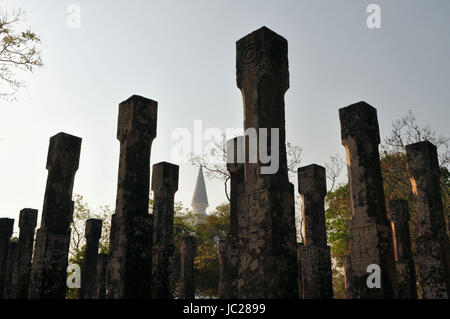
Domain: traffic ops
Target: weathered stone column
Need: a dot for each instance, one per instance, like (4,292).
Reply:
(21,277)
(50,260)
(432,246)
(186,286)
(316,254)
(228,250)
(164,186)
(10,268)
(370,232)
(130,266)
(6,230)
(348,276)
(267,235)
(92,233)
(300,270)
(406,272)
(102,264)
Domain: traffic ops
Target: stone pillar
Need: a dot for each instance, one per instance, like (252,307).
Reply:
(164,186)
(348,276)
(6,230)
(186,286)
(300,270)
(102,263)
(406,272)
(316,254)
(50,260)
(21,277)
(11,265)
(267,235)
(228,250)
(130,265)
(370,232)
(432,245)
(92,233)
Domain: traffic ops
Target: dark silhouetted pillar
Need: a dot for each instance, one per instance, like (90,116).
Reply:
(50,260)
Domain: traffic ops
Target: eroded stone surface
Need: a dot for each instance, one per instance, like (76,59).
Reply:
(92,233)
(130,265)
(6,230)
(370,232)
(21,277)
(266,218)
(11,265)
(102,264)
(432,245)
(228,249)
(164,186)
(316,254)
(186,285)
(406,273)
(50,260)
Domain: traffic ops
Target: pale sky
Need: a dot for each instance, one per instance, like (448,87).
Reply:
(182,54)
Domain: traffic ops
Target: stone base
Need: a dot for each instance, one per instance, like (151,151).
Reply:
(267,243)
(372,245)
(49,270)
(130,265)
(316,272)
(229,260)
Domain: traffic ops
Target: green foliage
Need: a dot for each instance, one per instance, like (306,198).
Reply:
(337,217)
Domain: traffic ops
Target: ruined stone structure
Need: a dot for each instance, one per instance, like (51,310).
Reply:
(92,233)
(130,265)
(267,235)
(49,269)
(6,230)
(316,254)
(370,232)
(102,264)
(432,245)
(228,249)
(164,186)
(406,272)
(300,270)
(21,276)
(186,285)
(10,268)
(348,276)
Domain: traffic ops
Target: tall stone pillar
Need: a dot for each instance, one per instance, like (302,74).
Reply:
(130,266)
(228,250)
(348,276)
(300,270)
(370,232)
(164,186)
(406,272)
(186,286)
(316,254)
(92,233)
(6,230)
(102,264)
(21,277)
(432,245)
(50,260)
(267,235)
(11,265)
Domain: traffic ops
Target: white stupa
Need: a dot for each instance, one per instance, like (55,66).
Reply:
(200,199)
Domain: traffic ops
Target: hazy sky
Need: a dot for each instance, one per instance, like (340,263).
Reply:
(182,54)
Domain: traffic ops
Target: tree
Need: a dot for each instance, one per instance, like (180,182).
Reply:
(215,162)
(18,51)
